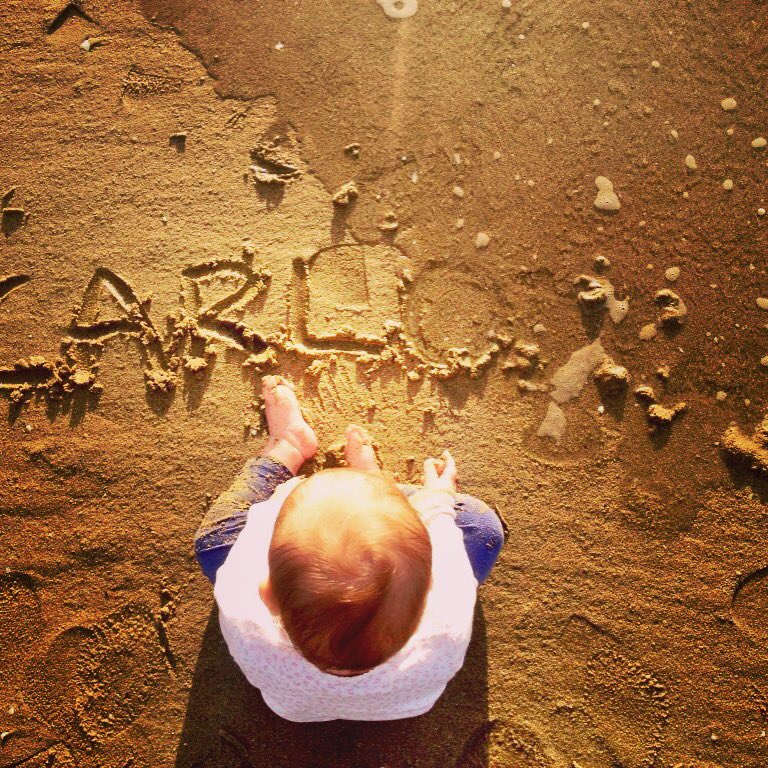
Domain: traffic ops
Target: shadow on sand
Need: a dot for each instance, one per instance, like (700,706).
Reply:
(227,724)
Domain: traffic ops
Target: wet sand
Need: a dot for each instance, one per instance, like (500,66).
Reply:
(503,230)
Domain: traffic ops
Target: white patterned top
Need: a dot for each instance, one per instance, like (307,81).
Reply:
(405,685)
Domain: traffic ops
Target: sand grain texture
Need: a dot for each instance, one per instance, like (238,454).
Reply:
(169,234)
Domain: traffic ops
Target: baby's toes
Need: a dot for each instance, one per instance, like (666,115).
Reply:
(269,388)
(357,437)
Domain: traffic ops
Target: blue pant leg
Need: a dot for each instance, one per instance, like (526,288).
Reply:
(228,515)
(483,533)
(481,528)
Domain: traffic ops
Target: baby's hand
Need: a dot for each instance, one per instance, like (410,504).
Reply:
(440,474)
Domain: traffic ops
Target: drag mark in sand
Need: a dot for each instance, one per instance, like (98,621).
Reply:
(749,604)
(11,283)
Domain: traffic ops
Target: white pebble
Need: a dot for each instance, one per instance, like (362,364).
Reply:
(655,64)
(672,274)
(86,45)
(279,46)
(690,162)
(506,3)
(728,104)
(399,9)
(761,211)
(762,302)
(606,199)
(674,134)
(728,184)
(482,240)
(585,25)
(759,142)
(458,191)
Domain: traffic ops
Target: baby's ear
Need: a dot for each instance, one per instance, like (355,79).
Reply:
(265,592)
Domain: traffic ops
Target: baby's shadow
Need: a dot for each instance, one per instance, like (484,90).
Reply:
(228,725)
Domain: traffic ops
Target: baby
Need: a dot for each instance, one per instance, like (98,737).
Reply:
(343,595)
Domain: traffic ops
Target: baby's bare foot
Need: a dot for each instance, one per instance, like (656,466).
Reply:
(359,450)
(291,440)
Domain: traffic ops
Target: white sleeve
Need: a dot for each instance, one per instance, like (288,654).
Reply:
(454,587)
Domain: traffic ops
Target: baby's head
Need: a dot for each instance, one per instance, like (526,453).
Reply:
(349,569)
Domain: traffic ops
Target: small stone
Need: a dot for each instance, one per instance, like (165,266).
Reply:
(86,45)
(762,302)
(662,415)
(345,194)
(601,262)
(674,134)
(673,309)
(647,332)
(672,274)
(721,396)
(606,199)
(759,142)
(353,150)
(761,211)
(610,377)
(655,64)
(458,191)
(459,224)
(389,223)
(585,25)
(482,240)
(764,361)
(506,4)
(663,372)
(728,184)
(81,377)
(728,104)
(690,162)
(644,392)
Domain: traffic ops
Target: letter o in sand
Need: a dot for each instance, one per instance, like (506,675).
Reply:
(399,9)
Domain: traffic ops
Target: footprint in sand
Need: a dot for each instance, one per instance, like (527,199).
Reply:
(611,711)
(510,745)
(628,707)
(749,604)
(517,746)
(95,681)
(21,622)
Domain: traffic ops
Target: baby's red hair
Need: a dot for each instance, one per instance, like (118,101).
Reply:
(350,566)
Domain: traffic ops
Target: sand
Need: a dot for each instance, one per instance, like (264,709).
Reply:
(169,234)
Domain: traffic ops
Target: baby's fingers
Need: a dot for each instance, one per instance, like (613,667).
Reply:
(449,463)
(430,471)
